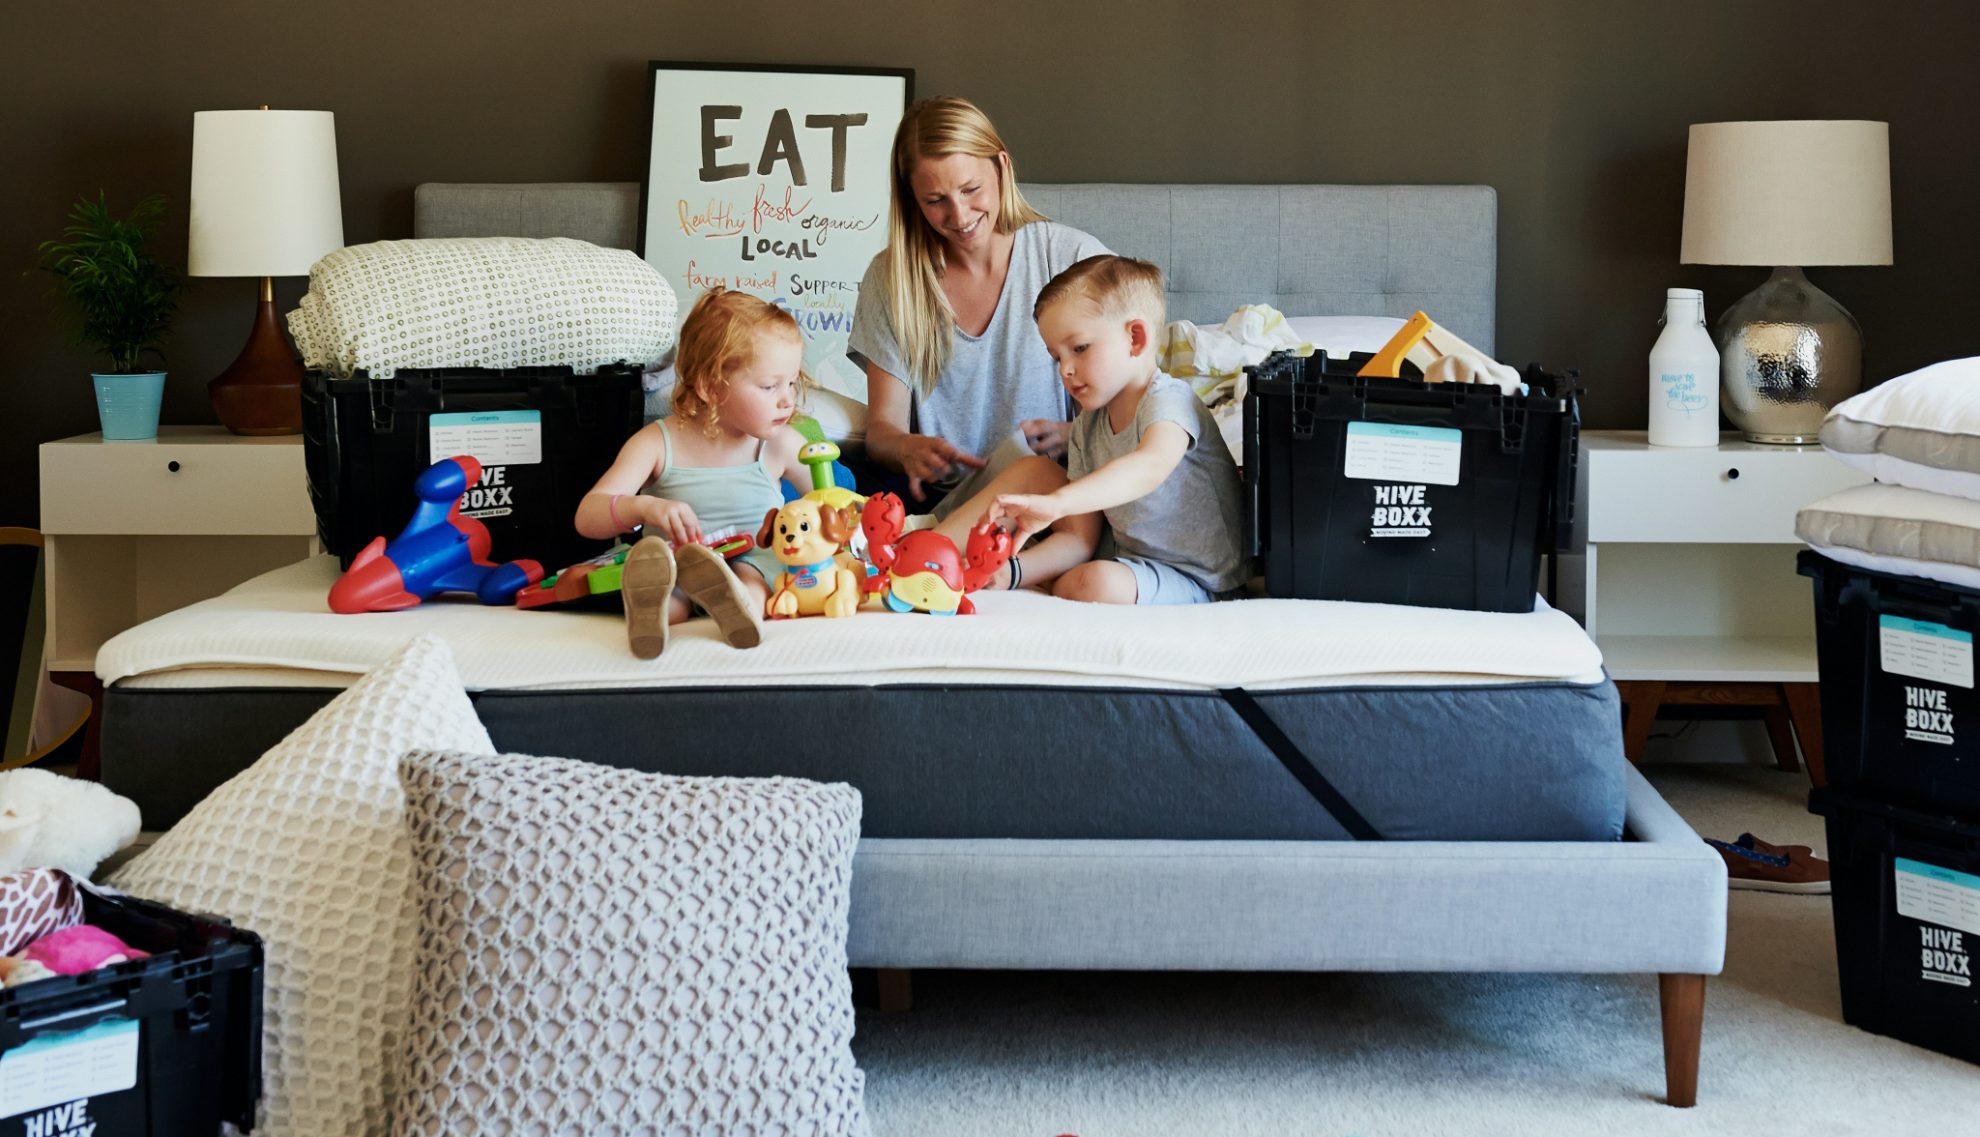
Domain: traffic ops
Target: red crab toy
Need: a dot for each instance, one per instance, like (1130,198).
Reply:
(922,571)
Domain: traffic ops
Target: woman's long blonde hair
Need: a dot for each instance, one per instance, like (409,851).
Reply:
(924,324)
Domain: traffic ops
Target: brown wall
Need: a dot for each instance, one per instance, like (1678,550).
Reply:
(1574,109)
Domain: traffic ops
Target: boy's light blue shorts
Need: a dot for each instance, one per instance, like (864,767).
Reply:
(1157,583)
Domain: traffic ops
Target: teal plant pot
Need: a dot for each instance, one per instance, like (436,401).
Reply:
(128,404)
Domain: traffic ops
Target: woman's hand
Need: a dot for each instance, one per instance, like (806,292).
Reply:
(1029,513)
(927,459)
(671,520)
(1047,437)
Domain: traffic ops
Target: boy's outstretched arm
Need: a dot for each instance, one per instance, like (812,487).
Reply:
(1120,481)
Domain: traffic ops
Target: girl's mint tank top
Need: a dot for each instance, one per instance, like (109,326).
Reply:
(723,497)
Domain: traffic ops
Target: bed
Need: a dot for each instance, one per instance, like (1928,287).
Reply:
(1051,785)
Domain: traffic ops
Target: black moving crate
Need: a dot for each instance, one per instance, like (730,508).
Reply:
(1900,719)
(1398,491)
(1905,886)
(542,434)
(180,1032)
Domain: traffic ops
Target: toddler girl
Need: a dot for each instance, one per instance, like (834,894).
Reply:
(712,465)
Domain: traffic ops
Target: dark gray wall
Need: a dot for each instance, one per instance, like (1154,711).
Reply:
(1576,111)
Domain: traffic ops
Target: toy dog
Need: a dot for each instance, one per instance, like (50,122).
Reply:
(807,537)
(922,571)
(437,551)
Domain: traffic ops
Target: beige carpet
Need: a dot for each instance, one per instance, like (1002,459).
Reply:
(1130,1055)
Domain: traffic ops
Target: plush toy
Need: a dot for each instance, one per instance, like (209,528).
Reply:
(74,950)
(15,971)
(49,821)
(807,537)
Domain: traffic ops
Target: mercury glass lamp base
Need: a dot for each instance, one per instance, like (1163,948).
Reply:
(1787,354)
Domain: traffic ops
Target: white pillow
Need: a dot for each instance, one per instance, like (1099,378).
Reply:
(1920,430)
(1897,529)
(607,951)
(482,302)
(1341,335)
(307,848)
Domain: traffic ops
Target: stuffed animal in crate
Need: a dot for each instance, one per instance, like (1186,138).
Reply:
(809,538)
(49,821)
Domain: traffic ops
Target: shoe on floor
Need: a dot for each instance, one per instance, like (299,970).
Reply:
(709,582)
(646,584)
(1753,863)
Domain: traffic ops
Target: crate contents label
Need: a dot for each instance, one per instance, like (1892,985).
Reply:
(492,438)
(1387,452)
(1925,650)
(58,1070)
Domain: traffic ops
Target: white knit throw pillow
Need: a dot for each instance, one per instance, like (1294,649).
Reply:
(482,302)
(607,951)
(307,847)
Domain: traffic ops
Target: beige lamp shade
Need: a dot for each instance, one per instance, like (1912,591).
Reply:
(264,193)
(1788,193)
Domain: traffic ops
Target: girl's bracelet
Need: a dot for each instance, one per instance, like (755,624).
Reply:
(1017,574)
(612,507)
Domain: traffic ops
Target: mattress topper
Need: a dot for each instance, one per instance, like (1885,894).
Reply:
(277,629)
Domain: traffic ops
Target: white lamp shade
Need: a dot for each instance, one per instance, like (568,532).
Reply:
(1788,194)
(264,193)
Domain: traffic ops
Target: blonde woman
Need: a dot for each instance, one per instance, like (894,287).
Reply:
(959,385)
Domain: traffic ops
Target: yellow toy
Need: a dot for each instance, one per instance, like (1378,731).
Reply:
(1441,355)
(818,457)
(807,536)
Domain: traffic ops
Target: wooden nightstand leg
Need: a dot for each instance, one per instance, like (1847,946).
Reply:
(1640,699)
(89,763)
(1804,702)
(1780,732)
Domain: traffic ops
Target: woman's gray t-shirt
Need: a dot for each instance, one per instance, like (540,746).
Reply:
(993,381)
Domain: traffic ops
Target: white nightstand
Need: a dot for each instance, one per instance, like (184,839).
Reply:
(137,529)
(1689,577)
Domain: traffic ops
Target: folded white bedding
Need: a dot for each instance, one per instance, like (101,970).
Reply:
(276,630)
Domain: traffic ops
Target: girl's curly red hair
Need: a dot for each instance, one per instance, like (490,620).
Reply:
(719,336)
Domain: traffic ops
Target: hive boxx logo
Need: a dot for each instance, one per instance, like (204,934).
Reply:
(1942,956)
(1400,512)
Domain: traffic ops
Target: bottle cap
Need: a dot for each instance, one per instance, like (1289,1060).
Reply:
(1684,294)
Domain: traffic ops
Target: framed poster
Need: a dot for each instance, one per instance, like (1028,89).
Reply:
(773,180)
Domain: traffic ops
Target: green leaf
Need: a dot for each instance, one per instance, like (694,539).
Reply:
(122,297)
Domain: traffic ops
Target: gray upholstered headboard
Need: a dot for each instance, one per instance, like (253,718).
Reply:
(1307,250)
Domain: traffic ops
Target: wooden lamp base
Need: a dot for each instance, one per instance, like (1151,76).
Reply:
(261,391)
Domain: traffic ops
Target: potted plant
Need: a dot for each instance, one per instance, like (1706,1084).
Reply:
(123,298)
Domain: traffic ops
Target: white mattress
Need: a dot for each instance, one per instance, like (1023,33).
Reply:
(276,630)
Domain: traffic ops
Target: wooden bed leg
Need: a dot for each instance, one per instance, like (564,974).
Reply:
(1640,700)
(1804,702)
(896,989)
(1683,1000)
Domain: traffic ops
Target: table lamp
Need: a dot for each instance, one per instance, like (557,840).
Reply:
(1787,195)
(264,203)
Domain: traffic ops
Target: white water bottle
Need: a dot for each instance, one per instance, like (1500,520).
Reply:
(1684,375)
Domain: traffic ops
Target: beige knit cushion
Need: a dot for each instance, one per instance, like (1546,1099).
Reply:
(605,951)
(482,302)
(307,847)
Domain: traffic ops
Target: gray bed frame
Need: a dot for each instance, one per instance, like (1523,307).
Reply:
(1653,903)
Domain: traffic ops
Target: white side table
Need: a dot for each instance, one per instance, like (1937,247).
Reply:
(1690,588)
(137,529)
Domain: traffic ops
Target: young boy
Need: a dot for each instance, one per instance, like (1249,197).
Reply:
(1144,450)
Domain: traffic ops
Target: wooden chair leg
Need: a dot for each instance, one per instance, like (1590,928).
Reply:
(1804,702)
(1640,700)
(1683,1000)
(896,989)
(1780,733)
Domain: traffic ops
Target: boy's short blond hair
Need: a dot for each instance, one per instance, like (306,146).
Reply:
(1116,287)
